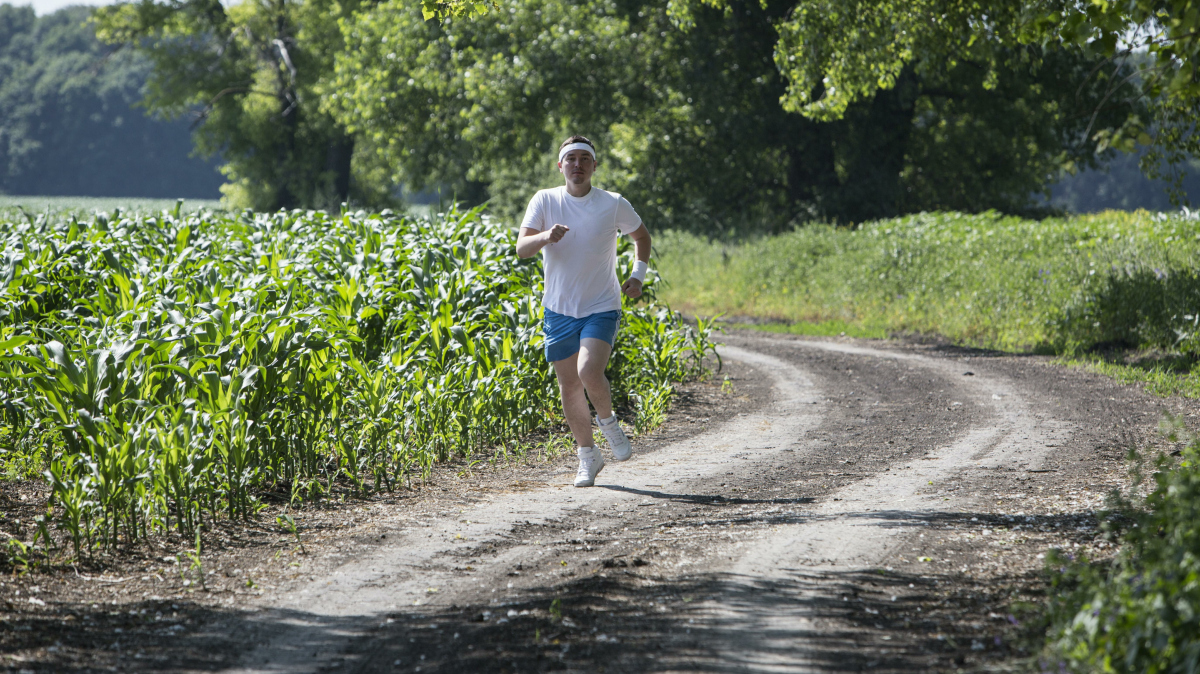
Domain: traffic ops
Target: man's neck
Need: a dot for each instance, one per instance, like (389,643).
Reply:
(580,190)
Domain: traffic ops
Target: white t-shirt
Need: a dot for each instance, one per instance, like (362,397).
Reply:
(581,269)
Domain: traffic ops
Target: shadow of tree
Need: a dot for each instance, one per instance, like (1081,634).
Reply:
(638,618)
(705,499)
(627,622)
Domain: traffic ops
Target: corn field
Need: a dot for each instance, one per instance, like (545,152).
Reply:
(166,370)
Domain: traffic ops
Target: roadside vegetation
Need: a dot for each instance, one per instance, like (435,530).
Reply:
(1138,611)
(162,371)
(1117,291)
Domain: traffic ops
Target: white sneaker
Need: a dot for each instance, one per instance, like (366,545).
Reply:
(590,464)
(617,440)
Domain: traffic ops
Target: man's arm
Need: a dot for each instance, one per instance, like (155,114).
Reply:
(530,241)
(641,246)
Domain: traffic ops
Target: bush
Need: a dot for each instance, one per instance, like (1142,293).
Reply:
(1141,612)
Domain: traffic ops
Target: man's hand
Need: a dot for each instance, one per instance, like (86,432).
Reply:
(530,241)
(556,233)
(632,288)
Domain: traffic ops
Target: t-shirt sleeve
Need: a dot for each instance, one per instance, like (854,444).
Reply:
(628,220)
(535,213)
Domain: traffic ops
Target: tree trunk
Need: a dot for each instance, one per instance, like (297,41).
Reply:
(337,162)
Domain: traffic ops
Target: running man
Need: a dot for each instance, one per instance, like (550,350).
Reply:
(576,228)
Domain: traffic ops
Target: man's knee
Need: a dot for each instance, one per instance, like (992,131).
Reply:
(592,373)
(569,382)
(568,391)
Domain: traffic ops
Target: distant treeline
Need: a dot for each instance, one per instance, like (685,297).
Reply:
(68,125)
(1120,185)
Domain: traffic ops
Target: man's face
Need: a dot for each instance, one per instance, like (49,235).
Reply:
(577,166)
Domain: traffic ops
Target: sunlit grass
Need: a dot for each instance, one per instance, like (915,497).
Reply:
(1172,375)
(1062,286)
(832,328)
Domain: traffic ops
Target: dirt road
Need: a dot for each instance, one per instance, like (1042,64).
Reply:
(847,506)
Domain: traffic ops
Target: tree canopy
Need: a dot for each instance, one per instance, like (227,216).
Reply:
(253,73)
(714,116)
(67,121)
(690,121)
(838,52)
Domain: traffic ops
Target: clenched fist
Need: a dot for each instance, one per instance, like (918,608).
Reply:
(632,288)
(556,233)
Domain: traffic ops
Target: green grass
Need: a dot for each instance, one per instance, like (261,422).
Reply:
(1162,375)
(831,328)
(1063,286)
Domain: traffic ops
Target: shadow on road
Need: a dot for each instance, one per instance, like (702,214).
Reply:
(628,622)
(705,499)
(617,617)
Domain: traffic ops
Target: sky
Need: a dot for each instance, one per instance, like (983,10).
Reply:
(48,6)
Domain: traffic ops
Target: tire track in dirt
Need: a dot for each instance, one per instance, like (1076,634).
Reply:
(344,621)
(306,630)
(858,526)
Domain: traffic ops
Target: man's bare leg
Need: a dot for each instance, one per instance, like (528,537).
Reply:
(574,400)
(580,377)
(593,359)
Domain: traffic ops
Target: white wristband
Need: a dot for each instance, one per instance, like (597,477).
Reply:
(639,270)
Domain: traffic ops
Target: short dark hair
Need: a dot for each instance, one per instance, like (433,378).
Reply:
(576,139)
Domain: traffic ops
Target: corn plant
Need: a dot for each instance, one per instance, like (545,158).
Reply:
(169,369)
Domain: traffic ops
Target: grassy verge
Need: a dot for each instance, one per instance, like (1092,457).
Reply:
(1161,374)
(832,328)
(1114,280)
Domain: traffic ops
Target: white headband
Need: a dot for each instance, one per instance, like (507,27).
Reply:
(576,146)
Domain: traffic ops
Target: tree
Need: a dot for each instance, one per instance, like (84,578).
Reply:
(252,75)
(690,122)
(838,52)
(67,121)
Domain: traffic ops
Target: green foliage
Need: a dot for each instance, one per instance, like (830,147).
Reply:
(1162,375)
(993,138)
(1068,285)
(689,123)
(169,368)
(837,53)
(67,125)
(1140,612)
(253,74)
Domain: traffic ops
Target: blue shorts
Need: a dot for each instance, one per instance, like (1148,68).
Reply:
(563,332)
